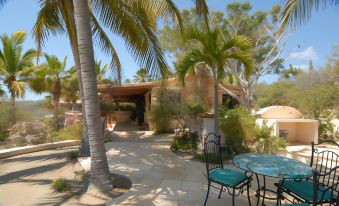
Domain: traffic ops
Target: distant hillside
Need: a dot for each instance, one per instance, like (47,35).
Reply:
(33,110)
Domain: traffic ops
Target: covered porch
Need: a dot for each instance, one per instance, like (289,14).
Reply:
(132,105)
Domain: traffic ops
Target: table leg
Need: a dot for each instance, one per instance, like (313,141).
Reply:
(261,188)
(258,190)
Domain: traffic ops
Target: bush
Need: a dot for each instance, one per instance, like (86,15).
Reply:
(3,136)
(73,132)
(60,185)
(186,142)
(266,142)
(166,106)
(238,126)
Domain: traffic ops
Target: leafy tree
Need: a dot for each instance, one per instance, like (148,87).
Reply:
(127,81)
(134,20)
(142,76)
(240,20)
(70,89)
(16,67)
(50,77)
(214,54)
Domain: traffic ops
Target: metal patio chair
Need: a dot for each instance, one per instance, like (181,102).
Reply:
(322,188)
(230,180)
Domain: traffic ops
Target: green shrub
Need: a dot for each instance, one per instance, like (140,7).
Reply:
(3,136)
(267,143)
(186,142)
(72,156)
(238,126)
(73,132)
(60,185)
(166,106)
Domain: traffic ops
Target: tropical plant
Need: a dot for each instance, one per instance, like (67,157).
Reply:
(100,174)
(70,89)
(297,12)
(50,77)
(238,126)
(135,22)
(240,20)
(214,54)
(16,67)
(142,76)
(101,71)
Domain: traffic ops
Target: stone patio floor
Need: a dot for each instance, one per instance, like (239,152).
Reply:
(161,178)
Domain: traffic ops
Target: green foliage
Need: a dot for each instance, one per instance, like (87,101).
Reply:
(3,136)
(107,106)
(72,156)
(73,132)
(187,142)
(238,126)
(267,143)
(194,108)
(166,106)
(60,185)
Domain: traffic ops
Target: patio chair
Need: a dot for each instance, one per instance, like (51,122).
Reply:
(232,181)
(323,186)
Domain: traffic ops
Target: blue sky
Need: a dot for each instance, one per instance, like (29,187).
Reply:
(316,38)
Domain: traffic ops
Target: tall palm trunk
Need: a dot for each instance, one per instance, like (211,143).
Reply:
(100,174)
(56,98)
(84,149)
(13,113)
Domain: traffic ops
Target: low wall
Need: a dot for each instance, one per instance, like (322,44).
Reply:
(35,148)
(123,116)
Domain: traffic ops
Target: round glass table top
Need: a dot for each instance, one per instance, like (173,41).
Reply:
(273,166)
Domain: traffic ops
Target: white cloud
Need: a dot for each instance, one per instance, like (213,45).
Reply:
(308,54)
(303,67)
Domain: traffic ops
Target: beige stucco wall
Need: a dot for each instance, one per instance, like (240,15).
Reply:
(279,112)
(299,131)
(291,127)
(307,132)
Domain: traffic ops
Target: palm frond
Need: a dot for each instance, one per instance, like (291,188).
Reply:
(298,12)
(48,22)
(202,10)
(188,63)
(132,24)
(101,38)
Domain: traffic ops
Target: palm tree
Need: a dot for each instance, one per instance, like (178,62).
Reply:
(50,77)
(297,12)
(16,67)
(70,89)
(142,76)
(214,54)
(100,174)
(101,71)
(135,22)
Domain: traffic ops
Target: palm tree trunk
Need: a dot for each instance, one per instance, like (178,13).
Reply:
(216,107)
(100,174)
(56,113)
(84,149)
(13,113)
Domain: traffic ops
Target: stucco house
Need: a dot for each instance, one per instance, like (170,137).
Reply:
(288,122)
(197,88)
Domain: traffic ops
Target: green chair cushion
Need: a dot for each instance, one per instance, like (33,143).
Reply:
(227,176)
(304,189)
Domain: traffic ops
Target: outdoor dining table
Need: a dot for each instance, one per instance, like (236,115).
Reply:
(274,166)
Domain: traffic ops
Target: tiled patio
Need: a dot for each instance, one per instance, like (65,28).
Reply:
(162,178)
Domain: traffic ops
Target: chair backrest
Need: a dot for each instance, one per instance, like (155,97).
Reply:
(212,152)
(325,162)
